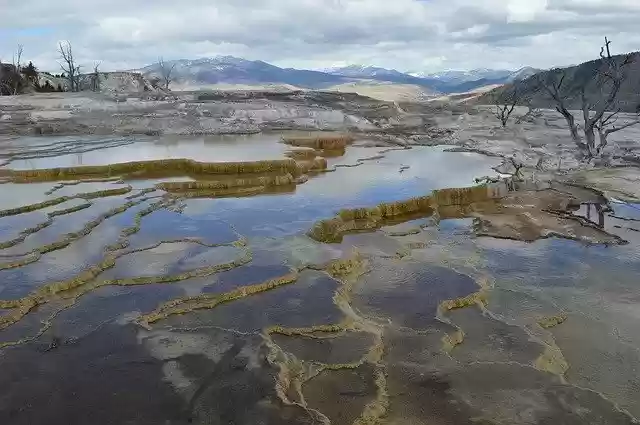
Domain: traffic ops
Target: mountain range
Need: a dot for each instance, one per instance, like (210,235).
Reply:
(238,71)
(454,76)
(627,100)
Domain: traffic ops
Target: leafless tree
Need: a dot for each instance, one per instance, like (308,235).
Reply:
(17,58)
(165,72)
(506,102)
(11,81)
(155,82)
(607,125)
(517,169)
(5,86)
(69,66)
(531,114)
(95,78)
(599,111)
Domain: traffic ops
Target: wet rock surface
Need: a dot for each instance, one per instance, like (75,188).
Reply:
(381,287)
(347,348)
(88,381)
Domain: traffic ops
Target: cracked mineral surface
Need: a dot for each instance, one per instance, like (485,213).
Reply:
(347,276)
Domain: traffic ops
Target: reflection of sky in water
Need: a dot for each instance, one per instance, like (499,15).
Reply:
(367,185)
(164,225)
(31,143)
(204,148)
(597,287)
(579,275)
(13,196)
(627,210)
(594,282)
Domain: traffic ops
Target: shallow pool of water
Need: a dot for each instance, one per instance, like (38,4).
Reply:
(203,148)
(220,309)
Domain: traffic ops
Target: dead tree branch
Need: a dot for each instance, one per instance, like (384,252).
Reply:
(597,90)
(17,58)
(11,78)
(505,103)
(95,78)
(517,167)
(166,72)
(531,114)
(69,66)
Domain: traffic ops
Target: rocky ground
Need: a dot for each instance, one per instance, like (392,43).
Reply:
(189,311)
(543,144)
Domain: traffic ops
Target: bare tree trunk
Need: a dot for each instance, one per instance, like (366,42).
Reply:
(598,94)
(69,66)
(165,72)
(600,211)
(590,140)
(506,102)
(95,78)
(571,121)
(17,58)
(602,140)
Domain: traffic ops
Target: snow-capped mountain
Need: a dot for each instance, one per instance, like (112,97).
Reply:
(493,75)
(454,76)
(233,70)
(523,73)
(445,82)
(363,71)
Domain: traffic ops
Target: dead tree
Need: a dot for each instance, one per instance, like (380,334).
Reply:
(11,78)
(5,78)
(597,92)
(555,84)
(506,102)
(531,114)
(517,169)
(95,78)
(166,72)
(607,125)
(69,66)
(17,58)
(155,82)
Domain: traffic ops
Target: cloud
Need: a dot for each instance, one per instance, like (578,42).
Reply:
(525,10)
(418,35)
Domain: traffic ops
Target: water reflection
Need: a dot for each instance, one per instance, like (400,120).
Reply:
(418,311)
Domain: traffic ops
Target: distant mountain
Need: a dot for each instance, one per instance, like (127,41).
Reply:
(385,90)
(444,82)
(628,98)
(519,75)
(388,75)
(363,71)
(459,77)
(230,70)
(523,74)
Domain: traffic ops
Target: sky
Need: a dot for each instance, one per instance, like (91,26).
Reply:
(408,35)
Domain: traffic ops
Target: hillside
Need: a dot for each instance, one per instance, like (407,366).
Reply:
(445,82)
(458,77)
(237,72)
(466,97)
(387,91)
(391,76)
(628,98)
(122,81)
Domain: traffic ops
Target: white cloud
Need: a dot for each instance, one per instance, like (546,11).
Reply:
(525,10)
(402,34)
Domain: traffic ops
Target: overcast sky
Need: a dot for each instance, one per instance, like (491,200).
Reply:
(409,35)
